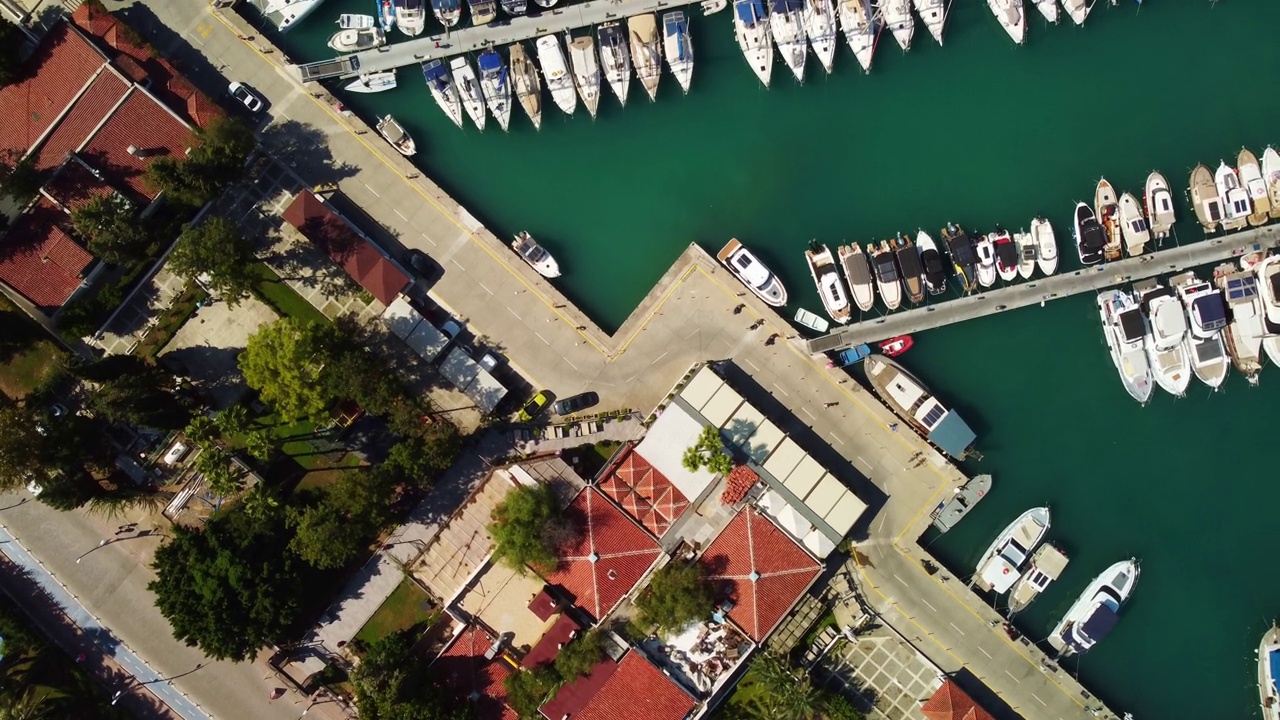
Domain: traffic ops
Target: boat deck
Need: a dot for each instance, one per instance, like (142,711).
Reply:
(948,514)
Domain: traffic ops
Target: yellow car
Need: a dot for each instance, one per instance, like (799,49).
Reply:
(534,407)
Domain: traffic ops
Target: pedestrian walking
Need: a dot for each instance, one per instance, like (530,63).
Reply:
(893,427)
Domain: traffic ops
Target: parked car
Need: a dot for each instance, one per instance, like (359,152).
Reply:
(422,264)
(451,328)
(577,403)
(245,96)
(534,407)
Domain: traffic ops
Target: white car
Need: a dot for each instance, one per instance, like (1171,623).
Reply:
(245,96)
(176,453)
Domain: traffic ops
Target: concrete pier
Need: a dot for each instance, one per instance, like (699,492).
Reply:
(1032,292)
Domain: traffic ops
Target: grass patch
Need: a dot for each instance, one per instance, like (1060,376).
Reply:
(27,354)
(406,607)
(167,325)
(828,620)
(275,292)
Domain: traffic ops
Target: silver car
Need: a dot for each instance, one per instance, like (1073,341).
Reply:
(245,96)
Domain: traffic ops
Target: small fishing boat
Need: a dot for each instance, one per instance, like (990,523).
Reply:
(947,514)
(1011,17)
(1107,207)
(909,265)
(822,267)
(482,11)
(352,21)
(758,278)
(677,46)
(443,90)
(1089,235)
(586,70)
(934,15)
(820,26)
(1159,205)
(346,41)
(448,12)
(861,29)
(751,27)
(616,59)
(960,248)
(1133,225)
(1255,185)
(546,3)
(893,347)
(1078,10)
(394,133)
(1047,8)
(537,256)
(1097,610)
(1244,333)
(896,15)
(373,82)
(515,8)
(815,322)
(935,270)
(886,270)
(986,252)
(556,72)
(1027,253)
(1001,565)
(386,15)
(711,7)
(1235,199)
(1207,318)
(1268,272)
(411,16)
(786,22)
(528,85)
(1047,565)
(858,272)
(1046,245)
(1204,198)
(646,56)
(495,85)
(464,78)
(1269,673)
(1124,328)
(1271,174)
(1006,254)
(912,401)
(1166,335)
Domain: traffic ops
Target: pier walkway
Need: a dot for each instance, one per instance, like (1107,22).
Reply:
(481,37)
(1034,292)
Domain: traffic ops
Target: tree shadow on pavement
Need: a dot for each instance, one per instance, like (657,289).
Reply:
(305,150)
(190,61)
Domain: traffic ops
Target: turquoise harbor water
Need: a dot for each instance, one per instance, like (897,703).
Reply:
(980,132)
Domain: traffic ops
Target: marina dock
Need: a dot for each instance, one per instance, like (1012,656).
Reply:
(1034,292)
(482,37)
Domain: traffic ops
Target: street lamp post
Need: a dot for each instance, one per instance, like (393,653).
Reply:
(104,542)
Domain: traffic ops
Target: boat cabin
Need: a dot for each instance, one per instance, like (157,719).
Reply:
(1208,314)
(1102,618)
(1132,325)
(749,269)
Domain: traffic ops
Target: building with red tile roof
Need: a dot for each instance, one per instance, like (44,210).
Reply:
(74,184)
(644,493)
(465,669)
(345,245)
(40,260)
(606,559)
(139,130)
(637,691)
(952,703)
(107,89)
(760,570)
(61,67)
(561,632)
(573,696)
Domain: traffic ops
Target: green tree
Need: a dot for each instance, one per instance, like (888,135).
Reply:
(260,445)
(772,691)
(201,430)
(130,390)
(578,657)
(341,524)
(220,252)
(391,683)
(708,452)
(23,447)
(114,232)
(285,362)
(216,161)
(677,594)
(233,421)
(527,690)
(419,459)
(11,43)
(527,528)
(20,177)
(221,475)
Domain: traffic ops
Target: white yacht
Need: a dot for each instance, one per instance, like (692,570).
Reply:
(1271,174)
(393,132)
(1133,225)
(677,45)
(1204,198)
(1047,565)
(1125,327)
(1166,332)
(1027,253)
(537,256)
(347,41)
(986,251)
(646,55)
(1046,245)
(820,26)
(1078,10)
(758,278)
(353,21)
(556,72)
(822,268)
(1159,205)
(291,12)
(1268,272)
(586,70)
(1006,252)
(1235,198)
(1048,8)
(443,90)
(411,16)
(858,272)
(861,28)
(528,86)
(464,77)
(1207,318)
(896,15)
(1089,235)
(1251,177)
(373,82)
(1269,673)
(495,83)
(1012,18)
(888,281)
(1097,610)
(934,15)
(1001,565)
(616,59)
(935,268)
(1247,327)
(786,22)
(751,27)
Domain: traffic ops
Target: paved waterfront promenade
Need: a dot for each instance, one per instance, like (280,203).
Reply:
(1034,292)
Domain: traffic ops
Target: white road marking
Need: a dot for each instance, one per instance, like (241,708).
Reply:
(984,652)
(895,577)
(1037,697)
(753,365)
(926,602)
(424,237)
(402,217)
(455,262)
(658,358)
(1015,679)
(544,340)
(784,392)
(375,192)
(484,288)
(805,410)
(957,627)
(836,438)
(575,367)
(513,312)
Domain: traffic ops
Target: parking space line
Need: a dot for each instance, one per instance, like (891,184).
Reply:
(575,367)
(779,388)
(836,438)
(805,410)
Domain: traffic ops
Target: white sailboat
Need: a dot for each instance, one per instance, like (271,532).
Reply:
(822,268)
(537,256)
(528,86)
(896,15)
(1012,18)
(1097,610)
(858,273)
(1133,225)
(464,77)
(1269,673)
(1048,8)
(1207,318)
(495,84)
(861,28)
(559,81)
(934,15)
(1046,245)
(1235,198)
(646,57)
(820,26)
(1268,272)
(1247,327)
(1159,205)
(1125,328)
(751,27)
(586,70)
(1166,331)
(373,82)
(1251,178)
(1001,565)
(616,59)
(1271,174)
(443,90)
(677,45)
(1078,10)
(786,22)
(986,251)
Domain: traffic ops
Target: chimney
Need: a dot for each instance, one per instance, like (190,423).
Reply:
(133,150)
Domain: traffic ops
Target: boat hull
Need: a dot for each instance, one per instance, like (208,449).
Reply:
(1046,246)
(753,273)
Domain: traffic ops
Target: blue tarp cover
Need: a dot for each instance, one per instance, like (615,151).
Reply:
(1274,660)
(489,61)
(953,435)
(749,11)
(433,70)
(1097,625)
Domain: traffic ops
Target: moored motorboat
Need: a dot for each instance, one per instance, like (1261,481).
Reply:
(290,12)
(934,15)
(1204,198)
(896,16)
(1047,8)
(1251,177)
(411,17)
(586,70)
(1166,335)
(1133,225)
(1107,208)
(1271,174)
(556,73)
(910,267)
(1011,17)
(527,84)
(858,272)
(1001,565)
(946,515)
(1096,612)
(482,11)
(616,59)
(1047,564)
(985,250)
(386,15)
(1046,245)
(822,267)
(912,400)
(394,133)
(751,27)
(646,55)
(1268,272)
(677,46)
(896,346)
(711,7)
(347,41)
(1269,673)
(963,260)
(1246,328)
(464,78)
(1089,235)
(888,282)
(1006,255)
(495,84)
(1078,10)
(786,22)
(537,256)
(1027,254)
(1124,328)
(1235,199)
(820,325)
(861,28)
(935,270)
(820,26)
(354,21)
(546,3)
(515,8)
(758,278)
(1206,320)
(1159,205)
(442,89)
(448,12)
(373,82)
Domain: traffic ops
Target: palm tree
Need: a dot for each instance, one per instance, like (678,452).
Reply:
(201,429)
(234,420)
(782,694)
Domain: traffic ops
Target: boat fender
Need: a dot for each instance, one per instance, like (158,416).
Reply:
(1005,571)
